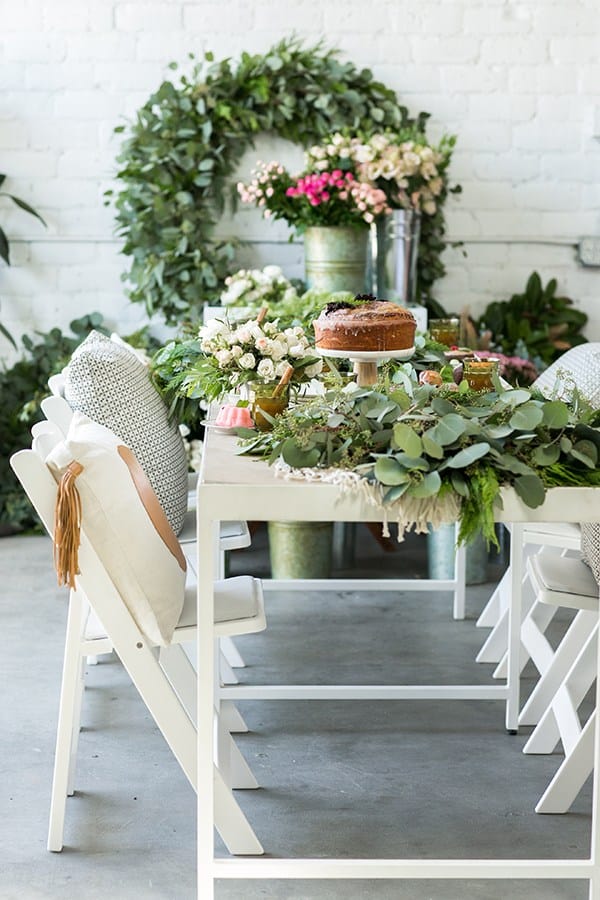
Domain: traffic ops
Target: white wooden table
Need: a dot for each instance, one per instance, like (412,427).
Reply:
(238,487)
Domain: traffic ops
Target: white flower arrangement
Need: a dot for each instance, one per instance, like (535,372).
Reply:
(408,169)
(262,287)
(237,354)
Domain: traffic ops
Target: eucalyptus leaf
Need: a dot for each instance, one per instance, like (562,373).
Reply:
(556,414)
(448,429)
(412,462)
(431,447)
(407,439)
(526,416)
(389,471)
(469,455)
(460,484)
(427,487)
(297,458)
(546,454)
(395,492)
(530,489)
(585,452)
(514,398)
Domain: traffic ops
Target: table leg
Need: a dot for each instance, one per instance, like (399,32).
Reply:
(207,535)
(514,629)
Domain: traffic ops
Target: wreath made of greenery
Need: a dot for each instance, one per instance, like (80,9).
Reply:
(184,145)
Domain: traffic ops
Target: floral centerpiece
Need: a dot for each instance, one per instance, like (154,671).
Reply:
(426,456)
(410,171)
(327,196)
(236,355)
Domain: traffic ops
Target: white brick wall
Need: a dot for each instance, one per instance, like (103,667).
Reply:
(518,82)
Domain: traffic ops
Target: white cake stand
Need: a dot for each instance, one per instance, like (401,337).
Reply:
(365,361)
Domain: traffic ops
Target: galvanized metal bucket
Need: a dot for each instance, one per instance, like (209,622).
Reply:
(335,258)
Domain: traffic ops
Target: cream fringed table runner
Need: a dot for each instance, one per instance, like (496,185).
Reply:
(409,513)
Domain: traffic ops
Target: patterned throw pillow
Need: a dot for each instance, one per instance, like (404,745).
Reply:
(590,547)
(125,525)
(107,383)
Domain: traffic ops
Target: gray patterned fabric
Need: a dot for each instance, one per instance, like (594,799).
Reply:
(107,383)
(579,367)
(590,547)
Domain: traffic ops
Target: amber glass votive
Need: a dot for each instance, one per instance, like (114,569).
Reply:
(265,400)
(445,331)
(479,373)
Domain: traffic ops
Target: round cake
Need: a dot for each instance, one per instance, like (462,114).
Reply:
(365,324)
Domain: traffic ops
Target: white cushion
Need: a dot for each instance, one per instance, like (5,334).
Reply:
(570,579)
(107,382)
(126,526)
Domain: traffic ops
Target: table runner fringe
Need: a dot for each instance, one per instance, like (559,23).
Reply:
(409,513)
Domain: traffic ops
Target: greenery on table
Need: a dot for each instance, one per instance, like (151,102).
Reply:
(22,388)
(420,443)
(186,140)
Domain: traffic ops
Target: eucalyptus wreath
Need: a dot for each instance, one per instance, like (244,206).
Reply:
(185,142)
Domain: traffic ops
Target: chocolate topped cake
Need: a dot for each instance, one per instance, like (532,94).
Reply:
(365,324)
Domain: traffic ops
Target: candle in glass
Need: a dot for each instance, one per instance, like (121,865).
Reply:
(479,373)
(445,331)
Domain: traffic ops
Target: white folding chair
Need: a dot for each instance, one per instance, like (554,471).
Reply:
(568,678)
(233,535)
(165,681)
(576,370)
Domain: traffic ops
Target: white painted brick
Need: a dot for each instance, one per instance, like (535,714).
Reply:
(44,134)
(63,193)
(63,253)
(34,47)
(548,196)
(427,18)
(477,78)
(108,45)
(37,103)
(90,104)
(27,15)
(13,74)
(506,49)
(576,49)
(494,136)
(563,224)
(461,221)
(136,75)
(499,223)
(21,163)
(156,16)
(562,109)
(545,136)
(14,134)
(487,195)
(483,19)
(453,49)
(566,19)
(512,167)
(551,79)
(65,16)
(50,77)
(589,79)
(169,45)
(288,17)
(364,18)
(565,167)
(410,79)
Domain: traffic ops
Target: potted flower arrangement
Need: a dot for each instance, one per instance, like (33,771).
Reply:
(257,287)
(332,208)
(411,172)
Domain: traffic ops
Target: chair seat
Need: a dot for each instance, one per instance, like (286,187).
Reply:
(236,599)
(564,581)
(232,535)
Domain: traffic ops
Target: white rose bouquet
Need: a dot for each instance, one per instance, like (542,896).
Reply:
(258,287)
(410,171)
(234,355)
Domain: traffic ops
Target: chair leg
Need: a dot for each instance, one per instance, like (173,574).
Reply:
(567,652)
(231,653)
(67,717)
(236,772)
(560,794)
(232,718)
(76,727)
(179,670)
(226,673)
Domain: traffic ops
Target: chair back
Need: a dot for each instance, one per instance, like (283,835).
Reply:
(578,368)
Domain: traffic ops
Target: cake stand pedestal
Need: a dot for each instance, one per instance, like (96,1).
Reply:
(365,361)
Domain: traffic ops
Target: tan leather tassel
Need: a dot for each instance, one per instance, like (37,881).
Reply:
(67,524)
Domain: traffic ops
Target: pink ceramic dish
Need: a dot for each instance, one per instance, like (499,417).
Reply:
(230,416)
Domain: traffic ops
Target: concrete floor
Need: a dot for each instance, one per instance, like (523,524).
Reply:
(338,779)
